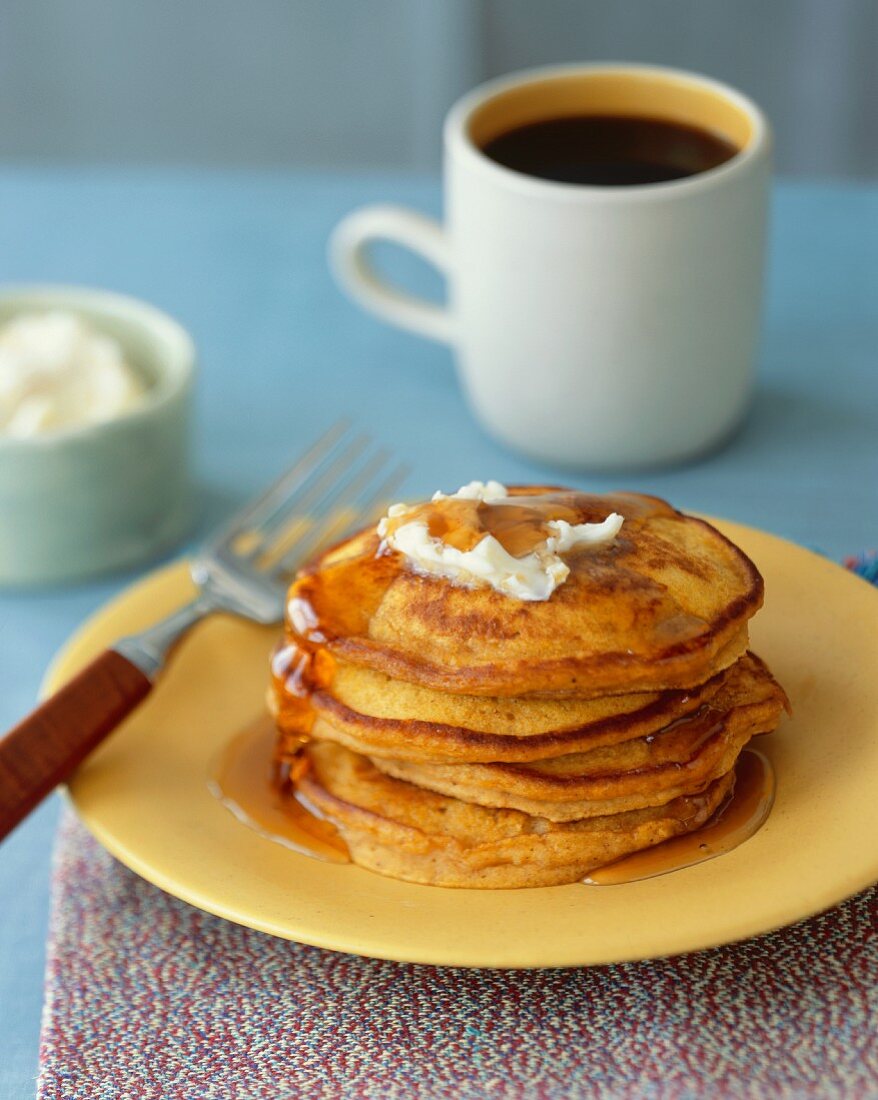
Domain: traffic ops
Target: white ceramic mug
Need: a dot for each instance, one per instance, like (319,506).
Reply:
(593,326)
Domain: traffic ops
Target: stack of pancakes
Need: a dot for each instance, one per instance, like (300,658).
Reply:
(461,737)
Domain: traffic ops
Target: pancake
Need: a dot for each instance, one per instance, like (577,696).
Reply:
(662,607)
(401,830)
(465,736)
(373,714)
(649,771)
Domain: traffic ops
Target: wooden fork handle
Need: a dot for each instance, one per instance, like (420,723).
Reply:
(44,749)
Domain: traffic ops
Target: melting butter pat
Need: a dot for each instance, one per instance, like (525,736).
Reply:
(534,576)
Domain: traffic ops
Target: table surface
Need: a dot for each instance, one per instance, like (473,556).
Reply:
(239,258)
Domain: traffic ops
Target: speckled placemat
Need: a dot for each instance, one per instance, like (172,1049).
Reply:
(147,997)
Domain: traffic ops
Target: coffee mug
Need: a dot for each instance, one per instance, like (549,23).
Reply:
(593,326)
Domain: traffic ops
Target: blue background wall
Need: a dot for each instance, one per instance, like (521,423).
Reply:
(366,82)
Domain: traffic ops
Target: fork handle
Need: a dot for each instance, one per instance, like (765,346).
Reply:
(47,746)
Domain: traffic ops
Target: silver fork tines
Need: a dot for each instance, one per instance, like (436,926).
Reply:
(354,500)
(339,483)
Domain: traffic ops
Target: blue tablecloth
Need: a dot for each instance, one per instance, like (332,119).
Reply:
(239,259)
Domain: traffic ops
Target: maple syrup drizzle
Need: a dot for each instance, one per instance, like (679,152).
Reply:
(742,815)
(674,747)
(338,599)
(249,782)
(256,775)
(518,523)
(297,669)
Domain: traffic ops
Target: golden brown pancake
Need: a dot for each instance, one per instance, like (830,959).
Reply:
(649,771)
(400,830)
(663,607)
(373,714)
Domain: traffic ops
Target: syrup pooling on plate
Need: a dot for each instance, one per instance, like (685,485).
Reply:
(263,797)
(259,791)
(743,815)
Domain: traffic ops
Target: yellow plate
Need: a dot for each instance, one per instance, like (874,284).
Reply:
(144,795)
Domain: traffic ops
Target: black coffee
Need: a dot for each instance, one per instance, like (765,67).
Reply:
(609,150)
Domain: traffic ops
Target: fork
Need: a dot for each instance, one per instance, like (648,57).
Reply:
(242,569)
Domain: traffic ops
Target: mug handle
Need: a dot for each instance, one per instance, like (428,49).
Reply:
(348,254)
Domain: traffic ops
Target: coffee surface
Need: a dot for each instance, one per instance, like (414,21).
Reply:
(609,150)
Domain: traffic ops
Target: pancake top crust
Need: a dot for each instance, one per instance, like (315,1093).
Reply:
(657,600)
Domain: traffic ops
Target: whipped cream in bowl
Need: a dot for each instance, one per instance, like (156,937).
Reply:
(57,371)
(446,540)
(95,399)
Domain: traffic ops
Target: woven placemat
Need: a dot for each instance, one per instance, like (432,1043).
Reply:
(149,998)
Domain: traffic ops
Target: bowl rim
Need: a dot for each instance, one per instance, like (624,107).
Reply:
(174,375)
